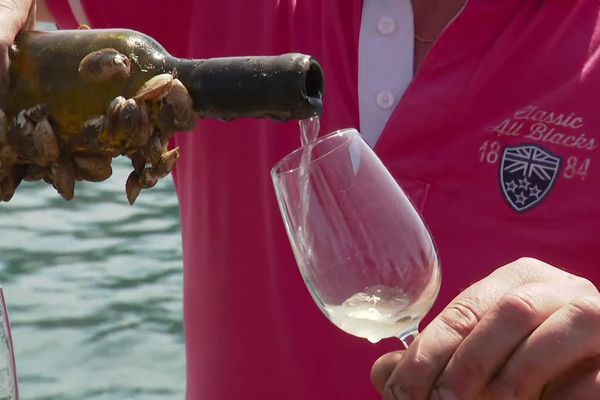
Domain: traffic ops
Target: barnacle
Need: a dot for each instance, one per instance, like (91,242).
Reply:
(32,148)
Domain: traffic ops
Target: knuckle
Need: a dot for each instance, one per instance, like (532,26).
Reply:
(585,311)
(460,318)
(583,284)
(529,269)
(522,270)
(518,308)
(422,360)
(526,262)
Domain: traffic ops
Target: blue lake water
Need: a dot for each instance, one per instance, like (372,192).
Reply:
(94,290)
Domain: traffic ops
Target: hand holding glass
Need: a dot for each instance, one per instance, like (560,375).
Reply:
(362,248)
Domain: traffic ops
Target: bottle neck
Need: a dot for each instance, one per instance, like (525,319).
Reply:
(282,87)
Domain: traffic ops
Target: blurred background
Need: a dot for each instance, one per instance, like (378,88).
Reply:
(94,290)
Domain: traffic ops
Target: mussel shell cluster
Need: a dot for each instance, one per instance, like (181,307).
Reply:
(32,147)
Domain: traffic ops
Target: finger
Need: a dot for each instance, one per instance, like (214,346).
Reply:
(571,377)
(13,15)
(31,17)
(383,367)
(501,331)
(566,338)
(585,388)
(426,358)
(423,361)
(4,60)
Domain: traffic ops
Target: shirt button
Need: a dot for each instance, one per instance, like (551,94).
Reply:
(386,25)
(385,99)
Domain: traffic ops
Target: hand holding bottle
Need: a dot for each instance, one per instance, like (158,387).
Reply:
(31,146)
(77,99)
(14,17)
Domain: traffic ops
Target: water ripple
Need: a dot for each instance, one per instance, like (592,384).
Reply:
(94,291)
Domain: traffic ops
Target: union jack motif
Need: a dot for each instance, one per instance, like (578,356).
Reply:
(527,174)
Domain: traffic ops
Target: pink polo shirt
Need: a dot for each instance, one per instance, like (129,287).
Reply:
(495,140)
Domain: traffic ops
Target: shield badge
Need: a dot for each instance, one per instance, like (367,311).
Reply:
(527,174)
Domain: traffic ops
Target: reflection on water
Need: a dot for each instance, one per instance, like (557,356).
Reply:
(94,290)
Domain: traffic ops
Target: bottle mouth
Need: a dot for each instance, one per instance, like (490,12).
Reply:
(283,87)
(314,85)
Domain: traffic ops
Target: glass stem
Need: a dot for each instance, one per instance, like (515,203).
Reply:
(408,337)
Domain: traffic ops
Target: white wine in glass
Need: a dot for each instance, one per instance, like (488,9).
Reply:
(363,250)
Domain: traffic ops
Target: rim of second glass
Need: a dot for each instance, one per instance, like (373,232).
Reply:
(278,167)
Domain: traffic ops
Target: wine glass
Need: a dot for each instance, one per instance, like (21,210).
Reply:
(363,251)
(8,376)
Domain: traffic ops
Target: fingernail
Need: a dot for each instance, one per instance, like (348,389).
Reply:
(445,394)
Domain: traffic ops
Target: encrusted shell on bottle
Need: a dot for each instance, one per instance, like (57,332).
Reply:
(131,118)
(46,144)
(92,168)
(155,88)
(8,158)
(133,186)
(38,112)
(89,135)
(138,161)
(153,150)
(134,120)
(148,180)
(63,177)
(33,137)
(3,128)
(177,112)
(8,186)
(105,65)
(167,161)
(113,112)
(20,135)
(35,173)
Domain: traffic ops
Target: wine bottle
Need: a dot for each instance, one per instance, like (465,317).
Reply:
(78,98)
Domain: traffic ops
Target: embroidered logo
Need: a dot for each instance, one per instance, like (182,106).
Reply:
(527,174)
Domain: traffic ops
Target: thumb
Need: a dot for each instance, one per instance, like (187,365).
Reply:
(383,367)
(15,15)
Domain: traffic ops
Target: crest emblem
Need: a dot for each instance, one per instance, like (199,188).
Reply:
(527,174)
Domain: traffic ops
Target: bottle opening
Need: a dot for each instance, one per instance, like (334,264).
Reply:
(314,84)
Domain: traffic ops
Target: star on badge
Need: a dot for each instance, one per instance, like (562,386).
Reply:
(511,186)
(535,191)
(520,198)
(524,183)
(527,175)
